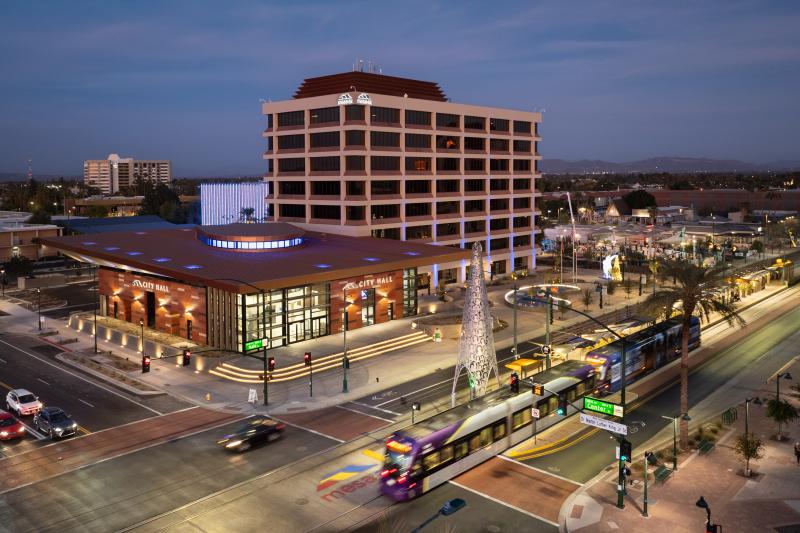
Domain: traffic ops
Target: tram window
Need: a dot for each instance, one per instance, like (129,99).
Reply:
(520,419)
(499,431)
(462,449)
(430,461)
(581,388)
(446,454)
(544,408)
(474,443)
(571,395)
(486,436)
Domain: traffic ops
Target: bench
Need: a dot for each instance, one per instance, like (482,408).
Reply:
(705,446)
(662,473)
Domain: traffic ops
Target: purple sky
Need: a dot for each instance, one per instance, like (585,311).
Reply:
(181,80)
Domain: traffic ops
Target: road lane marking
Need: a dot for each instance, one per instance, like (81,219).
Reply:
(501,502)
(340,441)
(3,360)
(372,454)
(73,374)
(373,407)
(510,460)
(84,401)
(43,381)
(32,431)
(366,414)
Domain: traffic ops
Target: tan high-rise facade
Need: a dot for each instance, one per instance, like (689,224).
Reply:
(111,174)
(366,154)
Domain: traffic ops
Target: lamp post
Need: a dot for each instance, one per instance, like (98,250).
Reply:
(414,407)
(515,348)
(39,306)
(701,503)
(683,416)
(141,324)
(784,375)
(96,305)
(3,273)
(345,323)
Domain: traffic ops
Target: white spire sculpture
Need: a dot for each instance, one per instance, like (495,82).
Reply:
(476,352)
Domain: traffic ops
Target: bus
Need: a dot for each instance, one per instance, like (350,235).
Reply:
(439,448)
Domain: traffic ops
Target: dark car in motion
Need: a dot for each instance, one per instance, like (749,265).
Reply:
(54,422)
(256,430)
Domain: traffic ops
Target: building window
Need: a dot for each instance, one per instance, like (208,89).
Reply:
(522,165)
(474,206)
(498,204)
(418,232)
(383,211)
(446,120)
(354,113)
(325,140)
(448,275)
(474,123)
(384,138)
(474,165)
(382,187)
(385,163)
(447,164)
(419,164)
(292,187)
(447,208)
(522,146)
(355,162)
(292,118)
(498,165)
(325,188)
(269,121)
(356,188)
(447,230)
(387,233)
(522,240)
(475,226)
(497,224)
(325,164)
(354,138)
(325,115)
(385,115)
(474,186)
(292,164)
(522,203)
(447,186)
(498,124)
(498,185)
(522,126)
(522,184)
(498,244)
(409,292)
(328,212)
(474,143)
(418,210)
(355,212)
(292,210)
(291,142)
(418,187)
(418,118)
(416,140)
(498,145)
(446,142)
(522,222)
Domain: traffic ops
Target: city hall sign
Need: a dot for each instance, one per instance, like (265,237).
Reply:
(367,283)
(347,99)
(149,285)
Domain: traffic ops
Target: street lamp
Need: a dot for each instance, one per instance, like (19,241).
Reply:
(3,273)
(345,325)
(141,324)
(701,503)
(515,348)
(683,416)
(414,407)
(784,375)
(96,305)
(747,401)
(39,307)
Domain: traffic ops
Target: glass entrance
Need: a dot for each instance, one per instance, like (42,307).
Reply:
(367,307)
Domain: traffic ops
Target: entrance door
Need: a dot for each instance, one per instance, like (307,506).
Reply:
(297,332)
(151,309)
(189,329)
(390,311)
(367,307)
(116,309)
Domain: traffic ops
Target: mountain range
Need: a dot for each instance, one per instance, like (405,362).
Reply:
(663,164)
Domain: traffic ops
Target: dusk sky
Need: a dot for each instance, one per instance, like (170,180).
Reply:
(181,80)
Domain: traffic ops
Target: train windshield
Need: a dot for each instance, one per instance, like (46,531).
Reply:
(398,455)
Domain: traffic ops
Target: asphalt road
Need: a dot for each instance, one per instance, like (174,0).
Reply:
(28,363)
(123,491)
(759,354)
(78,297)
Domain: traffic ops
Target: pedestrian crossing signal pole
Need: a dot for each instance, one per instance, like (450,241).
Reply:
(307,361)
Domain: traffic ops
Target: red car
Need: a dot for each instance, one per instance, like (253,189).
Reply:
(10,427)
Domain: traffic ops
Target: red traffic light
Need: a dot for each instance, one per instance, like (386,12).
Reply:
(271,364)
(187,357)
(145,364)
(307,358)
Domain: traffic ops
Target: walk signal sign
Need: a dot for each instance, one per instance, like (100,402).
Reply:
(538,389)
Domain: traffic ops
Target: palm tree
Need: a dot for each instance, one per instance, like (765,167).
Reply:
(694,290)
(246,214)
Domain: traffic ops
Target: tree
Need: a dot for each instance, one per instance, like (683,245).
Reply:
(627,286)
(781,412)
(750,448)
(162,201)
(653,265)
(639,199)
(696,290)
(246,214)
(18,266)
(587,298)
(39,217)
(96,211)
(757,246)
(610,288)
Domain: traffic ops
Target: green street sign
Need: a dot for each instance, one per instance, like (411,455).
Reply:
(599,406)
(253,345)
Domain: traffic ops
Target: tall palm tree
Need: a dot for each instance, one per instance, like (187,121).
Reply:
(694,293)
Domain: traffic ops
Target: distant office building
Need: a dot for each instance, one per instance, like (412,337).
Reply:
(19,239)
(226,203)
(365,154)
(111,174)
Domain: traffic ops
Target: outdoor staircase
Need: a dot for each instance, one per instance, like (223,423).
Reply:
(299,370)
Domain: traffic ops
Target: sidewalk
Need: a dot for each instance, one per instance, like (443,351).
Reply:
(767,501)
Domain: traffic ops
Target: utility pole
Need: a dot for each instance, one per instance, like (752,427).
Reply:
(345,360)
(96,304)
(548,320)
(516,348)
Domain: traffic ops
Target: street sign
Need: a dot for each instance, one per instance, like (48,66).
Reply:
(252,396)
(601,423)
(546,349)
(600,406)
(534,412)
(253,345)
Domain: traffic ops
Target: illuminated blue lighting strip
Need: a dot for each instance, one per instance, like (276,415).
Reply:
(252,245)
(222,203)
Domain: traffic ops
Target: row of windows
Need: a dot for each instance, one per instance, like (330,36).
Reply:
(392,163)
(467,445)
(358,188)
(330,139)
(388,115)
(252,245)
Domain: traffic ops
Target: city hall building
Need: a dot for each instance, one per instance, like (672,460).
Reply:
(365,154)
(243,286)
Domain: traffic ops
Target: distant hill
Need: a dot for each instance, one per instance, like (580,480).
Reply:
(662,164)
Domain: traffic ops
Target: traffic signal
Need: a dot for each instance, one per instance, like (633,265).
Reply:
(271,364)
(145,364)
(187,357)
(562,406)
(514,381)
(537,389)
(625,450)
(307,358)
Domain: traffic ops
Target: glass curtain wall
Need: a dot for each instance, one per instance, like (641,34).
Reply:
(409,292)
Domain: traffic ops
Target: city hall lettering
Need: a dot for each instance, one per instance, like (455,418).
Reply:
(149,285)
(366,283)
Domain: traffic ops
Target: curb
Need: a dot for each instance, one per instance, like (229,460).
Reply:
(108,379)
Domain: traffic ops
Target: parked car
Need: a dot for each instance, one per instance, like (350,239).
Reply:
(54,422)
(23,402)
(257,430)
(10,427)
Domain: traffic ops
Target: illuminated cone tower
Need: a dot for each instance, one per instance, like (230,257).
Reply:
(476,352)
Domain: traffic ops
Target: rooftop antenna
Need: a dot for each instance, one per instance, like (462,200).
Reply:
(30,170)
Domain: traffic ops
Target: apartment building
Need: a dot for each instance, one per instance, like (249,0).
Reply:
(115,172)
(366,154)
